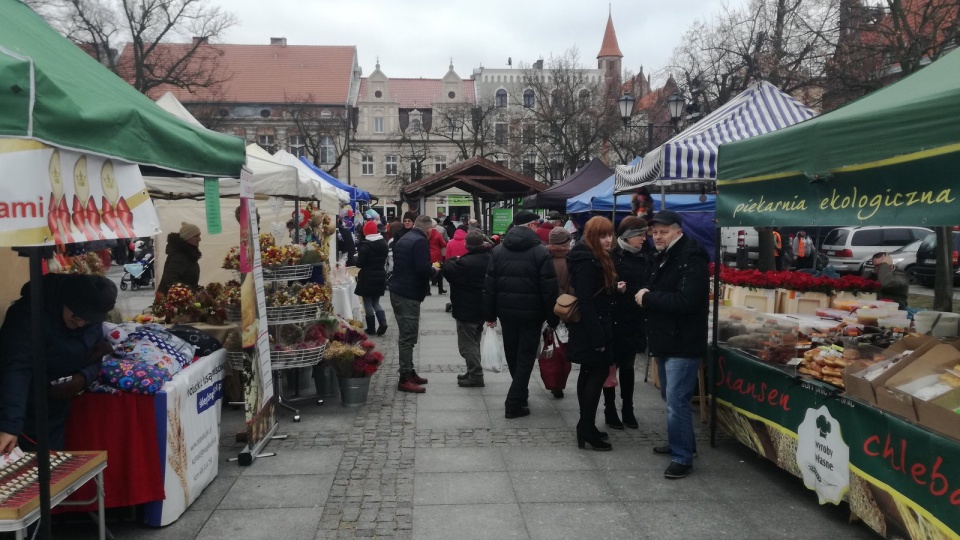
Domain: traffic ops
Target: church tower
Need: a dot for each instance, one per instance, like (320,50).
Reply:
(610,57)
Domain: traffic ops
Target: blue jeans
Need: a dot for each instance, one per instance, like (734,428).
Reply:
(678,381)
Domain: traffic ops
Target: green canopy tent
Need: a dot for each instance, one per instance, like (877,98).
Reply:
(54,97)
(890,158)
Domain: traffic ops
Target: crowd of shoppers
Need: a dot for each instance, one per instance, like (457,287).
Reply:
(633,296)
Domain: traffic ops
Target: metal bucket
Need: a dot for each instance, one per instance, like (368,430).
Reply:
(325,380)
(353,391)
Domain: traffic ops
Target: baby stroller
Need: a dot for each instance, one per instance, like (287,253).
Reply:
(138,274)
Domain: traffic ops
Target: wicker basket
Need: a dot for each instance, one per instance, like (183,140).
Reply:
(296,313)
(296,359)
(288,273)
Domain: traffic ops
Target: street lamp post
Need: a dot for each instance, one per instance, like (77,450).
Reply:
(676,105)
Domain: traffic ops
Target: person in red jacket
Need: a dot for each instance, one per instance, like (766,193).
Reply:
(437,245)
(457,247)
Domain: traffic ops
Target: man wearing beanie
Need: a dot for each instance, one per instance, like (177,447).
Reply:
(405,227)
(372,279)
(183,258)
(408,287)
(466,275)
(520,289)
(74,306)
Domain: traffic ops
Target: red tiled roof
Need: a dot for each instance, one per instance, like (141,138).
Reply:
(610,47)
(272,73)
(420,93)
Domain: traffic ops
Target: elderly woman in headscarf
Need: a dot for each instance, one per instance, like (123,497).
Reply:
(630,261)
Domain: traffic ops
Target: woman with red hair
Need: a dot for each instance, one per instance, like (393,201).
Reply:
(594,280)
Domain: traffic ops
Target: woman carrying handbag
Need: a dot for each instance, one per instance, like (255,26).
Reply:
(629,335)
(594,279)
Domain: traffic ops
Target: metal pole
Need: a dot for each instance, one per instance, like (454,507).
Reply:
(613,214)
(663,196)
(40,390)
(349,159)
(715,349)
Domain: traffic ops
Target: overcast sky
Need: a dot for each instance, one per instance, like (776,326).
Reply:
(416,38)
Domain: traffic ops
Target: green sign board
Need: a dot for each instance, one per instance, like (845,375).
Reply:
(502,217)
(459,200)
(911,466)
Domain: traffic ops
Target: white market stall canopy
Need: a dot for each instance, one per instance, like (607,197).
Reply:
(691,156)
(329,191)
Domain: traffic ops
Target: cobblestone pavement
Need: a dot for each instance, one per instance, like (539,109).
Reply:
(448,465)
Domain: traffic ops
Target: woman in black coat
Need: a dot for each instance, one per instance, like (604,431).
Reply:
(372,280)
(629,337)
(594,281)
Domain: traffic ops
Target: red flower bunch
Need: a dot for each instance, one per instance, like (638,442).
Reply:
(368,364)
(797,281)
(855,283)
(368,345)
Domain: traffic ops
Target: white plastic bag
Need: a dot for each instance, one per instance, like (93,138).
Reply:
(492,357)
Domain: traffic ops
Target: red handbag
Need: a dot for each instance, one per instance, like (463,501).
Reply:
(554,366)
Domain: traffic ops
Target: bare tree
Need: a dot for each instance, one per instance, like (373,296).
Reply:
(470,128)
(323,130)
(785,42)
(148,30)
(572,116)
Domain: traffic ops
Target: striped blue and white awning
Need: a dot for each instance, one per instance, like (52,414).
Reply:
(691,156)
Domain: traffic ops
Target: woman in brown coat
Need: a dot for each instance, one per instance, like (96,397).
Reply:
(558,247)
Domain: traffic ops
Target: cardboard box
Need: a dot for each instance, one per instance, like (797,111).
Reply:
(940,414)
(932,363)
(860,388)
(802,303)
(763,300)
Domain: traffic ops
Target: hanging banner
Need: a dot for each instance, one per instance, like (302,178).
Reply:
(258,378)
(55,197)
(211,194)
(901,479)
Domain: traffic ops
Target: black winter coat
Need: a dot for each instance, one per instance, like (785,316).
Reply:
(67,352)
(466,275)
(521,284)
(411,266)
(632,268)
(372,262)
(676,306)
(182,264)
(596,303)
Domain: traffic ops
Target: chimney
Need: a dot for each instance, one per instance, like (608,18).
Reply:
(281,41)
(198,40)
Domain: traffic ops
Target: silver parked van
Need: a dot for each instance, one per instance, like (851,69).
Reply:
(849,247)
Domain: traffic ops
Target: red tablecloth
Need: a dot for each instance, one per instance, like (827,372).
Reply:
(125,426)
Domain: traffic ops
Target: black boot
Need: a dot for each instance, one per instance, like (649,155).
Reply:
(629,419)
(382,319)
(590,435)
(610,408)
(371,325)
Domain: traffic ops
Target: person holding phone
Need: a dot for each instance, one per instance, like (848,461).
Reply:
(894,283)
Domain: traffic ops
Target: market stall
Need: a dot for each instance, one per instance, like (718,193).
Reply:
(888,444)
(66,116)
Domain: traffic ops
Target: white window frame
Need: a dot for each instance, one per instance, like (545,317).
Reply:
(378,124)
(391,165)
(297,145)
(439,163)
(497,101)
(327,149)
(500,133)
(366,165)
(267,142)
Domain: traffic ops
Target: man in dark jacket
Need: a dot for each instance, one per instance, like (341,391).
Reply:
(405,227)
(466,275)
(894,283)
(408,287)
(676,307)
(520,289)
(73,308)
